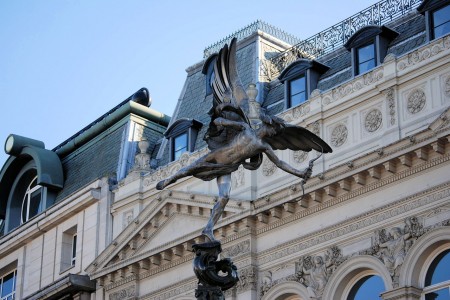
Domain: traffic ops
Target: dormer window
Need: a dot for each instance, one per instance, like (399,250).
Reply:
(437,17)
(29,181)
(369,47)
(182,135)
(208,70)
(300,79)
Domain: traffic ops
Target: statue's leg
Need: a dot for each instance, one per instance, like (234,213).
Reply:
(183,172)
(224,185)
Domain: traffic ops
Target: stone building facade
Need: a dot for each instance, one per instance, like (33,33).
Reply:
(376,211)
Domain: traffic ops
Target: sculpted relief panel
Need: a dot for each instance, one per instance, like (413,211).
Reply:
(315,271)
(391,245)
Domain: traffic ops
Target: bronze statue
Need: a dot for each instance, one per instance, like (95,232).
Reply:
(234,142)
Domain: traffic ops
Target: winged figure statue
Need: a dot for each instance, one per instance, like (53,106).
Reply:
(234,141)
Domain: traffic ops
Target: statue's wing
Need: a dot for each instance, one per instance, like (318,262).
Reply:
(230,100)
(297,138)
(227,83)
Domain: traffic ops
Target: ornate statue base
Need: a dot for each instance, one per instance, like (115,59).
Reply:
(214,276)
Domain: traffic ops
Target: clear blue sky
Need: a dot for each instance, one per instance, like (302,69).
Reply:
(63,63)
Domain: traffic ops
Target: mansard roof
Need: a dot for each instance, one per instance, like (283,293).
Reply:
(409,24)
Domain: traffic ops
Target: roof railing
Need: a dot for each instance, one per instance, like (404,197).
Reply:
(337,35)
(249,30)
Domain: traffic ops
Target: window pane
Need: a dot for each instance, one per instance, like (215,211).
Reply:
(438,295)
(297,85)
(441,16)
(368,288)
(25,208)
(439,270)
(366,53)
(74,249)
(8,284)
(180,142)
(35,203)
(297,99)
(180,145)
(442,30)
(366,66)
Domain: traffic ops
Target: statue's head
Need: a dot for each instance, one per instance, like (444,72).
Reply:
(318,260)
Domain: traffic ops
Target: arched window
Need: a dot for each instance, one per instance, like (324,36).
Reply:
(208,70)
(367,288)
(32,203)
(437,280)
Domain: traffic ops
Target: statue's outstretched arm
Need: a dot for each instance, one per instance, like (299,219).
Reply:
(228,123)
(305,174)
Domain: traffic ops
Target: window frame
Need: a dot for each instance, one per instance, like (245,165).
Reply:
(428,8)
(74,250)
(13,293)
(175,152)
(28,197)
(351,294)
(357,57)
(305,90)
(69,246)
(208,71)
(190,127)
(432,25)
(436,286)
(311,70)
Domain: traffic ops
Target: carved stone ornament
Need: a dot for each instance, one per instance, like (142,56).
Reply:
(447,87)
(416,101)
(266,282)
(128,217)
(314,128)
(268,167)
(391,104)
(238,178)
(392,245)
(373,120)
(339,135)
(314,272)
(300,156)
(126,293)
(247,280)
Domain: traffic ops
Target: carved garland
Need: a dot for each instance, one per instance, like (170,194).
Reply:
(447,87)
(391,104)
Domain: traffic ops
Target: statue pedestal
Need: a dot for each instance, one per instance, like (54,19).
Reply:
(214,276)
